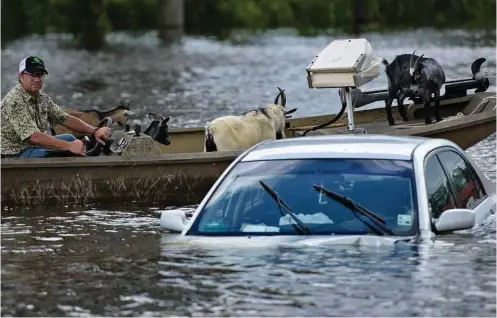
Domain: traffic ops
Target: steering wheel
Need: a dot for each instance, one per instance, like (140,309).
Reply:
(97,149)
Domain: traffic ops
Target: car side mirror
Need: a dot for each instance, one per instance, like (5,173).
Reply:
(173,221)
(455,220)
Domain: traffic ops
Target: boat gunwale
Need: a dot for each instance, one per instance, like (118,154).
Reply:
(70,162)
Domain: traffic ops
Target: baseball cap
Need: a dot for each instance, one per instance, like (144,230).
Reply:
(32,64)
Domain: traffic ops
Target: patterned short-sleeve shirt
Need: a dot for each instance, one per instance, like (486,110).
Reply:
(24,115)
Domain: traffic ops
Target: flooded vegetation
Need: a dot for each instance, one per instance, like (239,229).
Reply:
(115,261)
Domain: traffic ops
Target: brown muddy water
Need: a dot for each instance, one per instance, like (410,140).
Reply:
(115,261)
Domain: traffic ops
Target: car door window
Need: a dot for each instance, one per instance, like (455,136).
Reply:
(467,191)
(440,196)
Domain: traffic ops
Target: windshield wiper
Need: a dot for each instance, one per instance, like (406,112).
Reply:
(300,227)
(355,207)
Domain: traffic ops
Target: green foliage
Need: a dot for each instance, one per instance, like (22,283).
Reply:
(314,16)
(89,20)
(132,15)
(13,24)
(86,20)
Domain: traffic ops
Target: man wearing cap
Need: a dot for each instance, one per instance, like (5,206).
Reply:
(26,111)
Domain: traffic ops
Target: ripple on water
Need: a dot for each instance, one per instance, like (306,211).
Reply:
(204,78)
(115,262)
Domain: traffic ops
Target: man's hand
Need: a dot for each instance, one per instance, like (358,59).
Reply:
(102,134)
(77,147)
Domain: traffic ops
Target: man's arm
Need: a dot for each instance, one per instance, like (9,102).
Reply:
(45,141)
(58,116)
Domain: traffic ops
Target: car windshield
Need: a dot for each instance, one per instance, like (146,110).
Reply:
(241,205)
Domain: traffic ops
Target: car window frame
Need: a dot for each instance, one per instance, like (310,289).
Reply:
(476,177)
(478,184)
(430,155)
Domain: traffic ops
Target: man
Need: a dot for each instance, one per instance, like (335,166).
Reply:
(26,111)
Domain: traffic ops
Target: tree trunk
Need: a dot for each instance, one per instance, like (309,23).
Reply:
(95,28)
(358,16)
(171,20)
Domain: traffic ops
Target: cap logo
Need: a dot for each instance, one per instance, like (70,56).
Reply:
(36,60)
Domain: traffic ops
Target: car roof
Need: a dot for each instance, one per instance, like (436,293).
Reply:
(337,146)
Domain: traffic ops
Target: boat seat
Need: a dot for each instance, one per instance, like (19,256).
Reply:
(142,145)
(479,103)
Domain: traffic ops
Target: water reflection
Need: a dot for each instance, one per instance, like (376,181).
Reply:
(104,262)
(282,281)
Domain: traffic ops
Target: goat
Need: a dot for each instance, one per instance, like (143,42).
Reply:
(92,117)
(427,78)
(158,129)
(398,81)
(231,133)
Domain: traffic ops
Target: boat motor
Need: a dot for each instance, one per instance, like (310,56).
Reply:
(344,64)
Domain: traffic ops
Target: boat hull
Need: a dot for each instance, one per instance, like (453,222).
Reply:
(184,173)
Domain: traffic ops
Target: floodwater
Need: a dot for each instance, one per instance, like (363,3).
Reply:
(203,78)
(115,261)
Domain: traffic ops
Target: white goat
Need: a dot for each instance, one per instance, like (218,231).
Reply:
(231,133)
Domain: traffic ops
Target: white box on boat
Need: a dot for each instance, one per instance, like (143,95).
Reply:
(343,63)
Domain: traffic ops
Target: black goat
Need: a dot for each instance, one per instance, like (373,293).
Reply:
(427,78)
(399,82)
(158,129)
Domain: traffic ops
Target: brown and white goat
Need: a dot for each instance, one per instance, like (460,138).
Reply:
(93,117)
(231,133)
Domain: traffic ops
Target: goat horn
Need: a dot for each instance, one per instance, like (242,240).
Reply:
(283,97)
(410,59)
(416,63)
(277,98)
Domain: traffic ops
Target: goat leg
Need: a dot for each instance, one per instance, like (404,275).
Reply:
(427,107)
(388,109)
(437,106)
(400,105)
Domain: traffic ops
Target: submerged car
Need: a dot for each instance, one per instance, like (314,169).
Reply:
(343,188)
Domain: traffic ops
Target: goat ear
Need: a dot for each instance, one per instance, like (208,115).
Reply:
(165,120)
(290,111)
(154,117)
